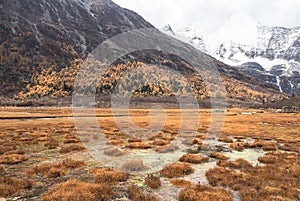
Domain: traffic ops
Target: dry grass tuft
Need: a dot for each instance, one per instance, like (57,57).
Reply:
(270,146)
(109,176)
(134,140)
(70,139)
(236,164)
(160,142)
(176,170)
(219,156)
(279,180)
(54,170)
(138,145)
(152,181)
(133,165)
(52,144)
(193,158)
(74,190)
(225,139)
(12,159)
(116,142)
(204,193)
(72,148)
(114,152)
(10,185)
(220,176)
(166,148)
(180,183)
(135,194)
(238,146)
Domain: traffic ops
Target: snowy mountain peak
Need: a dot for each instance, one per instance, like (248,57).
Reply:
(239,28)
(241,40)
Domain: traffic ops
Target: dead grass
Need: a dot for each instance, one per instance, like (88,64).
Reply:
(236,164)
(160,142)
(69,139)
(225,139)
(74,190)
(10,186)
(72,148)
(133,165)
(114,152)
(138,145)
(176,170)
(238,146)
(109,176)
(180,183)
(116,142)
(204,193)
(54,170)
(219,156)
(278,180)
(279,175)
(152,181)
(220,176)
(166,148)
(270,146)
(52,144)
(193,158)
(7,146)
(12,159)
(135,194)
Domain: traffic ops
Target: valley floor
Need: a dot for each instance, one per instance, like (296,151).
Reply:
(43,155)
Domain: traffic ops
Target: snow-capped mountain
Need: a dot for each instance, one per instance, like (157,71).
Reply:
(271,54)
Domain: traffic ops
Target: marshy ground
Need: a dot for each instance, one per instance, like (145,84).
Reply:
(256,157)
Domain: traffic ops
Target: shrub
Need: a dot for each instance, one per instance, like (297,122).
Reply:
(152,181)
(193,158)
(72,148)
(135,194)
(176,170)
(74,190)
(12,159)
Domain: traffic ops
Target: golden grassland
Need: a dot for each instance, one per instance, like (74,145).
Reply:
(42,157)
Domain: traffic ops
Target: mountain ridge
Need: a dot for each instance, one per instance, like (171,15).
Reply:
(45,42)
(241,41)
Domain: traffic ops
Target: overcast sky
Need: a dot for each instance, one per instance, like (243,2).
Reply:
(211,14)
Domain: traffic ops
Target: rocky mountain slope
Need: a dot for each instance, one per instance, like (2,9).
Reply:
(44,42)
(271,54)
(36,35)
